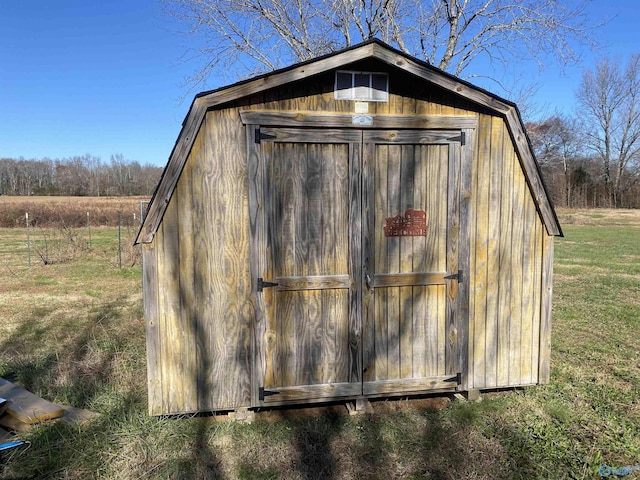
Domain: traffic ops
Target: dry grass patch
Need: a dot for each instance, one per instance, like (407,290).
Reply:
(599,217)
(74,212)
(74,334)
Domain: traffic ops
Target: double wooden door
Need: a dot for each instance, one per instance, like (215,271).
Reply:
(356,235)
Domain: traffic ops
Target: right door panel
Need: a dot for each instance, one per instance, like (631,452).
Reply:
(411,187)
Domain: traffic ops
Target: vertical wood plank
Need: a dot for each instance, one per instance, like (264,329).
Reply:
(419,294)
(201,279)
(298,323)
(393,261)
(370,250)
(435,308)
(315,345)
(212,295)
(504,264)
(173,347)
(286,229)
(330,203)
(479,274)
(453,232)
(271,174)
(381,296)
(443,238)
(300,209)
(545,320)
(472,238)
(528,256)
(355,260)
(466,169)
(153,334)
(409,105)
(536,299)
(188,315)
(238,277)
(343,257)
(257,261)
(494,185)
(515,326)
(405,320)
(232,192)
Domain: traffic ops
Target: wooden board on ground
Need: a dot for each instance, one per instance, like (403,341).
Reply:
(27,407)
(13,424)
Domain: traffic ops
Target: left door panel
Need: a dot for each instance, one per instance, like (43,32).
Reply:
(310,196)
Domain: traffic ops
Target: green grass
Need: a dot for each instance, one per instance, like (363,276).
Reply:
(73,333)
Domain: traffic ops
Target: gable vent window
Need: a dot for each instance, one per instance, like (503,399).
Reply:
(365,86)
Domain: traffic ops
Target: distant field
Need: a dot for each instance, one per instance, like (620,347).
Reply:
(70,211)
(600,216)
(73,332)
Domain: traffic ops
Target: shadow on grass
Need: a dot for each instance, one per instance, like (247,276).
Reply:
(88,360)
(412,443)
(69,360)
(98,366)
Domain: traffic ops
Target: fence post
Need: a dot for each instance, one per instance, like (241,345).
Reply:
(89,228)
(119,242)
(26,216)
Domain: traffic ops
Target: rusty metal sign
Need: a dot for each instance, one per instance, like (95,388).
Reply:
(412,224)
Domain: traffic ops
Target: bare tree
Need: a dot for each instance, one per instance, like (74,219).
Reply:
(556,141)
(261,35)
(609,100)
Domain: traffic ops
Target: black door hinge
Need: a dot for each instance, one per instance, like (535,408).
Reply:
(265,393)
(457,379)
(262,136)
(463,138)
(262,284)
(455,276)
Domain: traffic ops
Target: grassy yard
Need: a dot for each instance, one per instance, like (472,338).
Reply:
(72,332)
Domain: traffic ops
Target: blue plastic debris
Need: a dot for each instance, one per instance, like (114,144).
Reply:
(607,471)
(10,445)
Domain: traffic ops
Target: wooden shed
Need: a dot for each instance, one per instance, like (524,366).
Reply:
(356,226)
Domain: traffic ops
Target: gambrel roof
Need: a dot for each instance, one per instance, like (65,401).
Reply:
(371,49)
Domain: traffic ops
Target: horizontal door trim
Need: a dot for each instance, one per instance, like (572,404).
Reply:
(408,279)
(342,120)
(311,135)
(315,282)
(412,137)
(325,391)
(410,384)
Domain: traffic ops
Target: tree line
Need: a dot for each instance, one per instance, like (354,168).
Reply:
(592,158)
(77,176)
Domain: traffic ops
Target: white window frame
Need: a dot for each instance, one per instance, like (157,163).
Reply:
(361,92)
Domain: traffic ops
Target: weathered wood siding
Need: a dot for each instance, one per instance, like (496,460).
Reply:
(200,309)
(507,258)
(205,308)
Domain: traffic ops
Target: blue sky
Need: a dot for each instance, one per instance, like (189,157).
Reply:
(105,77)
